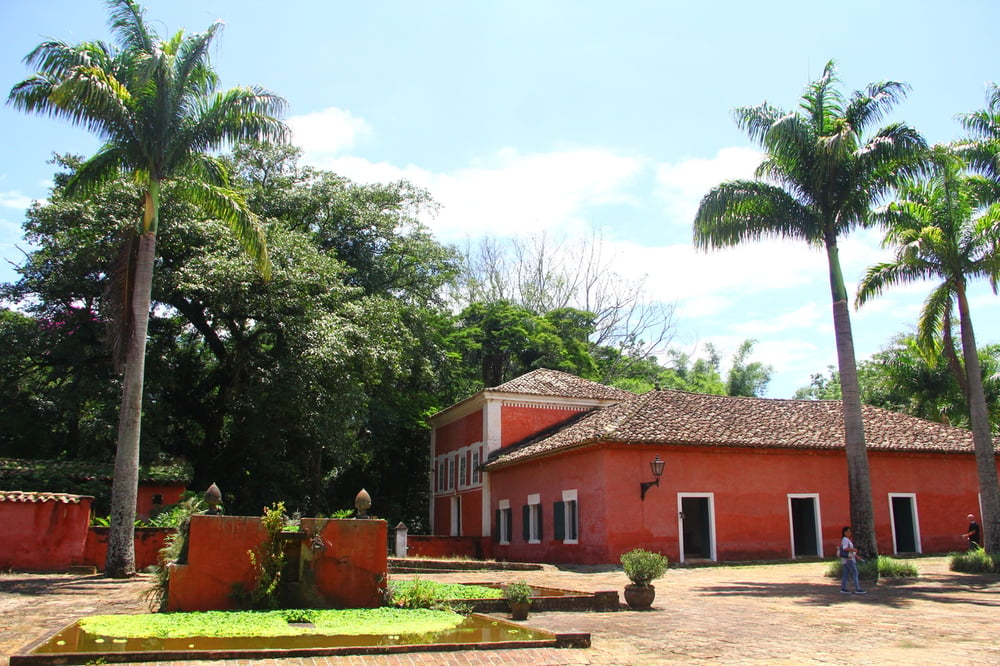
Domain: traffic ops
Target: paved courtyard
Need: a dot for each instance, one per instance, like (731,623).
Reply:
(763,614)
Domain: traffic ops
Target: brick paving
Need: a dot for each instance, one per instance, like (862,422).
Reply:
(763,614)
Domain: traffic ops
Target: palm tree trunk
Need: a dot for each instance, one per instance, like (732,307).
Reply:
(982,439)
(858,476)
(120,562)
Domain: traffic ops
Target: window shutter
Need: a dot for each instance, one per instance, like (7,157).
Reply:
(496,531)
(559,520)
(541,532)
(526,522)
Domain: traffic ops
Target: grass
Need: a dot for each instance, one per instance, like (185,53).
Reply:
(272,623)
(882,567)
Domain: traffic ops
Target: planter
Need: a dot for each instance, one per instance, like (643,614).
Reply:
(639,597)
(519,610)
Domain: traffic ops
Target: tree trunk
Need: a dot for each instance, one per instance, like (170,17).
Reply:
(982,439)
(858,477)
(120,562)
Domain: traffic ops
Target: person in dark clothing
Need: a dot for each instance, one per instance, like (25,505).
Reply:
(974,533)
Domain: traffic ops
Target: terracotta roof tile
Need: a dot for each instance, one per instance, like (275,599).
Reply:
(22,496)
(692,419)
(555,383)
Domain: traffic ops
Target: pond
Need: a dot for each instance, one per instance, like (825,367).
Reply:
(73,645)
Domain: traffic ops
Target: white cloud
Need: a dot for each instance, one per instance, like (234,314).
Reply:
(14,199)
(326,133)
(681,186)
(809,316)
(510,193)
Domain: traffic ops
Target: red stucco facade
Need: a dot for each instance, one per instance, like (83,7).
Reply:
(43,532)
(331,564)
(581,503)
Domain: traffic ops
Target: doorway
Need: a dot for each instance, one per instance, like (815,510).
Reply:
(803,515)
(456,516)
(696,526)
(905,527)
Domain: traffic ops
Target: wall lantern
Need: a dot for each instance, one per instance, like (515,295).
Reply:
(656,466)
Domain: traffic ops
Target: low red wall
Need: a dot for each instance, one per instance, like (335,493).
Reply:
(148,542)
(340,563)
(43,531)
(474,548)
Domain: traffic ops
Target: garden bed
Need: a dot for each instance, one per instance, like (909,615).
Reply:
(73,645)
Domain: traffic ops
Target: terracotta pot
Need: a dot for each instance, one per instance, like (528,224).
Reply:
(639,597)
(519,611)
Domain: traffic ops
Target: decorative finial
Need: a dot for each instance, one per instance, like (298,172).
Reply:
(213,497)
(362,503)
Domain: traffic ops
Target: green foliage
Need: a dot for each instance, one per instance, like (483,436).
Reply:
(873,569)
(518,592)
(267,561)
(363,621)
(975,560)
(643,567)
(419,593)
(300,615)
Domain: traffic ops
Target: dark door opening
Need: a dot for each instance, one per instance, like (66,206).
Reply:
(904,524)
(804,541)
(697,528)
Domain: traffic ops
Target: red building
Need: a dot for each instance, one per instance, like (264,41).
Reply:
(553,468)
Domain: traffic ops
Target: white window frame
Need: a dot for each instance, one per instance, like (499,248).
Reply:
(442,481)
(463,469)
(451,473)
(456,516)
(505,521)
(571,516)
(534,513)
(477,460)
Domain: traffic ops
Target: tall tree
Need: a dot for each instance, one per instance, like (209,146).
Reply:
(941,229)
(982,149)
(822,173)
(155,104)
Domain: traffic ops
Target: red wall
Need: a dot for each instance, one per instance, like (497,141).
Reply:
(148,542)
(43,536)
(169,494)
(462,432)
(347,567)
(750,490)
(521,421)
(446,546)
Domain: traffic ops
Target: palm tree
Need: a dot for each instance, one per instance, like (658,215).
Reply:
(982,150)
(821,175)
(155,105)
(943,228)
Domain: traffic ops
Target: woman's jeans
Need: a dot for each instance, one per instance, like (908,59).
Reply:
(850,569)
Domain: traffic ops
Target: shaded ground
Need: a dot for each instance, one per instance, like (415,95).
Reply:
(774,614)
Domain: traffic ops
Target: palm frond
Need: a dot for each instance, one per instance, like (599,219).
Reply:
(227,205)
(127,20)
(747,210)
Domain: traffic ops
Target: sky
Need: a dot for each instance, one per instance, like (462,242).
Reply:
(567,118)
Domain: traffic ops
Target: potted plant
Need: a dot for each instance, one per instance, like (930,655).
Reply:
(518,595)
(642,568)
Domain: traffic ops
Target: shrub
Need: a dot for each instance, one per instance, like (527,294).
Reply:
(976,560)
(643,567)
(882,567)
(518,592)
(417,593)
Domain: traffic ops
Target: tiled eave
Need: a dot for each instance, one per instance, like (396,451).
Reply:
(20,496)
